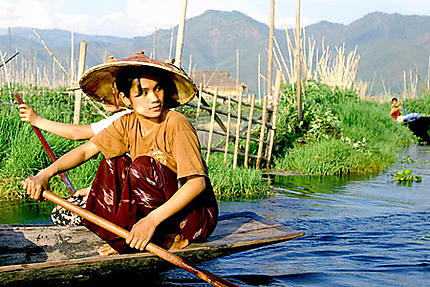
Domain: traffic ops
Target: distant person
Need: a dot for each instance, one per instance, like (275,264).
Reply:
(395,108)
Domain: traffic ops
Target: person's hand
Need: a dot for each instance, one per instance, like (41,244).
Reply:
(141,233)
(82,192)
(401,102)
(35,185)
(27,114)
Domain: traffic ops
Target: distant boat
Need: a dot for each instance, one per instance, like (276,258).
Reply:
(45,255)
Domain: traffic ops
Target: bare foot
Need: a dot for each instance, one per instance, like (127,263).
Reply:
(175,241)
(106,250)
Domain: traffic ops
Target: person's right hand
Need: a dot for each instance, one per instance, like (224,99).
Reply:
(27,114)
(35,185)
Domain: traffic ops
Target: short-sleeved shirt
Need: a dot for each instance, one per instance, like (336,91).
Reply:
(173,142)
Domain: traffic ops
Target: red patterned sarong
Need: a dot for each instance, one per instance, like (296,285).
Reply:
(123,192)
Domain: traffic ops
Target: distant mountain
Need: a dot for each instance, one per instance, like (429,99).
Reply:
(387,44)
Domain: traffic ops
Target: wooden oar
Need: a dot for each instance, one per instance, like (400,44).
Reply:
(48,150)
(211,278)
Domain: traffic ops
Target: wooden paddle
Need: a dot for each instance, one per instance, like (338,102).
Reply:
(49,151)
(211,278)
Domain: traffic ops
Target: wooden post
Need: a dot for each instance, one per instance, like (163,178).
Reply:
(428,77)
(274,116)
(211,127)
(78,93)
(199,102)
(270,52)
(237,72)
(180,39)
(72,58)
(263,126)
(297,63)
(154,44)
(248,133)
(259,79)
(227,136)
(171,44)
(239,118)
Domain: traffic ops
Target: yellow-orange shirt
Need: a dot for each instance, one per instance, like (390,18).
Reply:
(172,141)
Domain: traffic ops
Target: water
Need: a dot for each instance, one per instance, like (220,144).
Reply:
(360,231)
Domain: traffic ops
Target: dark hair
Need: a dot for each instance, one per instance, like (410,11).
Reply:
(394,99)
(126,75)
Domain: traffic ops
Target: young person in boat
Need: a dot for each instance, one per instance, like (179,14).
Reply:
(395,108)
(153,180)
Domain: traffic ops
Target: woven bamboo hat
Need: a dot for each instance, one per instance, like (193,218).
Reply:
(99,81)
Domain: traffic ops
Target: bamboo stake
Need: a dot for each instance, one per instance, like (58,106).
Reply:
(78,93)
(154,44)
(199,102)
(211,127)
(270,52)
(180,39)
(227,137)
(237,72)
(248,133)
(263,125)
(51,54)
(259,78)
(239,118)
(171,44)
(274,116)
(72,58)
(297,62)
(428,77)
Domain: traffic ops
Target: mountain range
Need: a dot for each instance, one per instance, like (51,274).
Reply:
(388,45)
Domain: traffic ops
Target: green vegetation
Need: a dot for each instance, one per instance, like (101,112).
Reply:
(339,133)
(406,177)
(22,154)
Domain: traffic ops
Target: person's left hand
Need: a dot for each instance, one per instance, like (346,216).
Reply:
(141,233)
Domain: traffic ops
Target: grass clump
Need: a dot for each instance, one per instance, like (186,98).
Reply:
(339,134)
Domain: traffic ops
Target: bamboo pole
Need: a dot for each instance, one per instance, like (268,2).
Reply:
(199,102)
(78,93)
(270,51)
(263,126)
(180,39)
(227,136)
(237,72)
(297,62)
(72,57)
(259,78)
(248,133)
(428,77)
(239,118)
(171,44)
(274,116)
(211,127)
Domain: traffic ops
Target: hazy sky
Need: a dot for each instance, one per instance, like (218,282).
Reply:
(130,18)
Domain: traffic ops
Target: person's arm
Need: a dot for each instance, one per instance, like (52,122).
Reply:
(143,230)
(35,185)
(68,131)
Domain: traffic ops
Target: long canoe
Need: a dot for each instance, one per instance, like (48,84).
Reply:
(52,255)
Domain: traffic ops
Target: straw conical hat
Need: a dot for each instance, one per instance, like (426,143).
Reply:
(98,81)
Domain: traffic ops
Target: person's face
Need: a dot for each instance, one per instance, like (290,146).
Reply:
(148,101)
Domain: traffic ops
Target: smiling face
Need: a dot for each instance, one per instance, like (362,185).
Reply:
(146,97)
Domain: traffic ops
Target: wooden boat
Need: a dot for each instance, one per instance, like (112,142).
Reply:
(52,255)
(420,128)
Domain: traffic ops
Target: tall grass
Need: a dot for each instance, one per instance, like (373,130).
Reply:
(23,155)
(340,134)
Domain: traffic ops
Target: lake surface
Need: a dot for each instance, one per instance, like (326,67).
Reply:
(359,231)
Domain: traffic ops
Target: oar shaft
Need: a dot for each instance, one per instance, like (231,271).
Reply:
(49,151)
(213,279)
